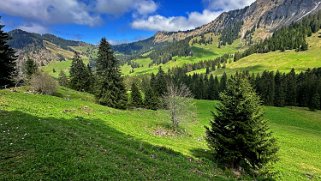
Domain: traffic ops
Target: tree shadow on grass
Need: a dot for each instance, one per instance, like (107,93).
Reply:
(203,154)
(47,148)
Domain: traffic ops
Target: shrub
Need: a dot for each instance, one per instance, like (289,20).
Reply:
(42,83)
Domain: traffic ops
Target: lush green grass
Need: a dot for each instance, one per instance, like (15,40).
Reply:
(69,136)
(282,61)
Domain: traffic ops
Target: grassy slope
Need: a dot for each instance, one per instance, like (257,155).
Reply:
(282,61)
(60,66)
(70,136)
(201,53)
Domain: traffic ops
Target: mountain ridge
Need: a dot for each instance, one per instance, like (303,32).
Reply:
(266,15)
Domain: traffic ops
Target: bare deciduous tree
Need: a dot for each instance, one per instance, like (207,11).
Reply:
(42,83)
(179,102)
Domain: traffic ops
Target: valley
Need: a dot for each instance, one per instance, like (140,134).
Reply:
(236,97)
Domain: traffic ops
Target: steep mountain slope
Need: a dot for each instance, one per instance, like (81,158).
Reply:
(264,16)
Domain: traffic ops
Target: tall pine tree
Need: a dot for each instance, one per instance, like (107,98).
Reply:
(110,90)
(30,67)
(239,136)
(79,75)
(136,96)
(7,60)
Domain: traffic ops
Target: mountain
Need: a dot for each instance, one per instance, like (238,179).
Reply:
(47,47)
(253,23)
(263,17)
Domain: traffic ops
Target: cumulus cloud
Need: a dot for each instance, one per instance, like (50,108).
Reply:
(34,28)
(178,23)
(194,19)
(48,12)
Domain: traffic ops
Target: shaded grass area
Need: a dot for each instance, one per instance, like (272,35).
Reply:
(72,121)
(40,148)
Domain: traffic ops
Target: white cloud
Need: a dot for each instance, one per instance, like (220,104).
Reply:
(177,23)
(73,11)
(34,28)
(193,19)
(117,7)
(50,11)
(224,5)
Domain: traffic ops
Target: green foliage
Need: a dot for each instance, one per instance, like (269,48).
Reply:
(79,75)
(239,136)
(30,67)
(62,79)
(315,102)
(151,100)
(110,90)
(136,96)
(7,60)
(159,82)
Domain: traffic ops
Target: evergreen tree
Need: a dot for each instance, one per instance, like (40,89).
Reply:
(160,84)
(279,95)
(291,88)
(79,76)
(7,60)
(62,79)
(109,84)
(239,135)
(223,82)
(211,88)
(151,100)
(30,67)
(136,97)
(315,102)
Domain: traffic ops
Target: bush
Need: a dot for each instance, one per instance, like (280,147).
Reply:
(42,83)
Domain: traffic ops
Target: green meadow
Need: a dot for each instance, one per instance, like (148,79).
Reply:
(69,136)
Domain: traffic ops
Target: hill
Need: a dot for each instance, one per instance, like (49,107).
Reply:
(69,136)
(278,60)
(47,47)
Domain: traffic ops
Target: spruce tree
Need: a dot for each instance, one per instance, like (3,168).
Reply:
(151,101)
(315,102)
(291,88)
(239,136)
(211,88)
(279,95)
(160,84)
(62,79)
(30,67)
(136,96)
(110,90)
(223,82)
(7,60)
(79,76)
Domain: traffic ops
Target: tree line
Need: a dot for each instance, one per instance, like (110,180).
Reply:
(274,88)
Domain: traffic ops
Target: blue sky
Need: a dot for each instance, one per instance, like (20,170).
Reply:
(119,21)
